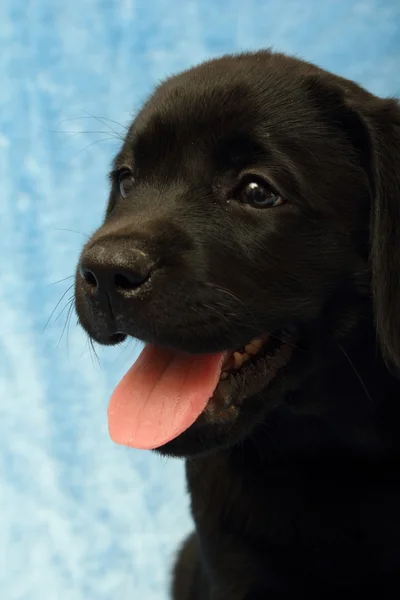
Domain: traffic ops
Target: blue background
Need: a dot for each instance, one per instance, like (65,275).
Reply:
(80,518)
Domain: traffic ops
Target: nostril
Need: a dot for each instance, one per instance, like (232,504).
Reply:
(129,281)
(89,277)
(112,272)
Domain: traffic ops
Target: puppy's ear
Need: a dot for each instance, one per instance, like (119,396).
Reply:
(383,121)
(372,125)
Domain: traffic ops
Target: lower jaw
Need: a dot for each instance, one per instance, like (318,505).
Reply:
(231,414)
(237,405)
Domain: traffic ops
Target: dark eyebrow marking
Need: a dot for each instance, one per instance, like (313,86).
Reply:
(237,150)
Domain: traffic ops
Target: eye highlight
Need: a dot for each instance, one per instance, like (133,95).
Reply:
(258,194)
(125,181)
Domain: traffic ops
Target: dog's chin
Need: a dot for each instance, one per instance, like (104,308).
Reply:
(213,432)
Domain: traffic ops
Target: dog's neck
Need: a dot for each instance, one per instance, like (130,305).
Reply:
(327,444)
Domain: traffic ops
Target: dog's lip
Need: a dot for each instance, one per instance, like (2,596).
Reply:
(110,339)
(119,336)
(274,354)
(290,331)
(272,346)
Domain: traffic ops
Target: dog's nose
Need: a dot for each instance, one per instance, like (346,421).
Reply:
(115,269)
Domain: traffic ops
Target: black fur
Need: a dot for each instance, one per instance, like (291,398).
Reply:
(299,495)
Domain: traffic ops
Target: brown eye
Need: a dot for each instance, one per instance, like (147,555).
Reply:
(125,183)
(259,195)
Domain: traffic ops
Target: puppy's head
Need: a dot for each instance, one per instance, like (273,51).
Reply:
(249,202)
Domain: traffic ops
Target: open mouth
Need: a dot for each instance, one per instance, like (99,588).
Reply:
(251,369)
(166,391)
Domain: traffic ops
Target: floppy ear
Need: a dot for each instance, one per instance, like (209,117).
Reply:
(382,117)
(372,125)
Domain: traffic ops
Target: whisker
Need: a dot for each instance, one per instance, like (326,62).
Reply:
(90,116)
(277,337)
(92,131)
(92,144)
(69,318)
(101,120)
(357,373)
(367,270)
(56,306)
(227,292)
(92,350)
(73,134)
(223,315)
(253,440)
(66,323)
(74,231)
(70,300)
(59,281)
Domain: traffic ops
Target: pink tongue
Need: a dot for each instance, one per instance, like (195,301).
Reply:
(161,395)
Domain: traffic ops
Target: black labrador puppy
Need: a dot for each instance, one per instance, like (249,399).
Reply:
(252,241)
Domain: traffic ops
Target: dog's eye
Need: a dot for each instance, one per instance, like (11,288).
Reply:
(259,195)
(125,183)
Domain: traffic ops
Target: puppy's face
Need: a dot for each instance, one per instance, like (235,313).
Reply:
(236,226)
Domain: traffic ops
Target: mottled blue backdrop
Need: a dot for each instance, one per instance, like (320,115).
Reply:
(80,518)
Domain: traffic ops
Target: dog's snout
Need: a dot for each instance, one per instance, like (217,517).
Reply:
(114,268)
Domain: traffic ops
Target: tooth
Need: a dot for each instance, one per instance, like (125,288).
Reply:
(252,348)
(240,359)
